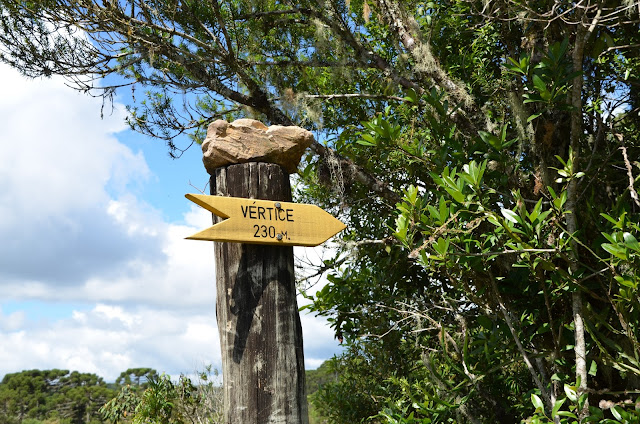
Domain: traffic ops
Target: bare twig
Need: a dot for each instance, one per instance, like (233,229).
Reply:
(627,164)
(203,191)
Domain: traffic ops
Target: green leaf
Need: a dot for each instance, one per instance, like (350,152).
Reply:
(441,246)
(491,140)
(412,194)
(510,215)
(543,216)
(557,406)
(626,283)
(536,211)
(518,66)
(571,393)
(631,241)
(561,161)
(456,194)
(615,222)
(537,402)
(433,212)
(615,250)
(402,226)
(593,368)
(595,414)
(443,209)
(539,85)
(567,414)
(532,98)
(366,140)
(411,96)
(617,412)
(534,116)
(561,200)
(364,143)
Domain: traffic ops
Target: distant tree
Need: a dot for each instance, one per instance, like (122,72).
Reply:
(82,397)
(320,376)
(74,397)
(138,377)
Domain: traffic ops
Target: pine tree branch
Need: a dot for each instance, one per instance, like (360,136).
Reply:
(407,30)
(349,96)
(366,56)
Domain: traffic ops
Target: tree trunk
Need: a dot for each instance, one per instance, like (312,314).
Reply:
(257,312)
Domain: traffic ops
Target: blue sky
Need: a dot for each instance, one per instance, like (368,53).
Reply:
(95,274)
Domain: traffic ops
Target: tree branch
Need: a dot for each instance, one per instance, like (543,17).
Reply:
(514,334)
(407,30)
(580,349)
(351,96)
(358,174)
(627,164)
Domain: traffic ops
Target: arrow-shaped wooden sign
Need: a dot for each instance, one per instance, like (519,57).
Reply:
(266,221)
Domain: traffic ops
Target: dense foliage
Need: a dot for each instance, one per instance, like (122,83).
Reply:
(161,400)
(483,153)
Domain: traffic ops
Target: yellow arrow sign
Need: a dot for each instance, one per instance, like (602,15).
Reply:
(266,221)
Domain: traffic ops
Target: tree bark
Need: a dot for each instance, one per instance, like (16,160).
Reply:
(257,312)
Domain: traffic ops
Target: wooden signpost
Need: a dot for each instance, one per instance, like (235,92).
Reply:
(256,307)
(266,221)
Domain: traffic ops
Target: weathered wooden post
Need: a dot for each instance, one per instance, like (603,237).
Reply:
(258,321)
(256,308)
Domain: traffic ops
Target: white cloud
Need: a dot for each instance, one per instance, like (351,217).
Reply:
(12,321)
(159,268)
(59,161)
(108,339)
(319,341)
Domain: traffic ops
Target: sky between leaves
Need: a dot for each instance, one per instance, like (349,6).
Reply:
(95,274)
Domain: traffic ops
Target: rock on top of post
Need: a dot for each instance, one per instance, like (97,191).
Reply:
(248,140)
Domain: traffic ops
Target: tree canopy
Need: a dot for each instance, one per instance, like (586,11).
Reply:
(483,153)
